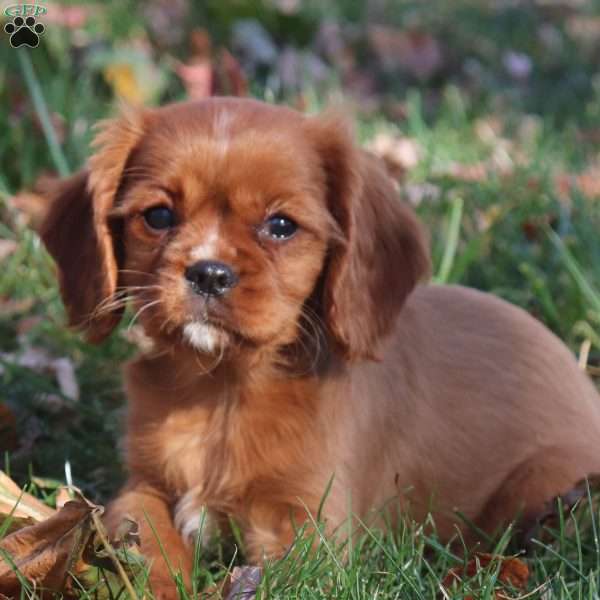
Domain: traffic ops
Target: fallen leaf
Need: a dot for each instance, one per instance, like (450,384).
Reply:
(512,572)
(10,524)
(38,359)
(26,324)
(30,207)
(65,376)
(244,582)
(416,52)
(63,496)
(210,72)
(197,79)
(287,7)
(471,173)
(12,307)
(45,552)
(586,183)
(584,28)
(416,193)
(197,75)
(399,153)
(49,550)
(488,129)
(231,80)
(19,503)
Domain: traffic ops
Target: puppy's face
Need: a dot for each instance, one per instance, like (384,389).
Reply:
(230,224)
(224,224)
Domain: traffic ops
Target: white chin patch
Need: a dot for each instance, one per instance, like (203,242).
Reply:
(203,336)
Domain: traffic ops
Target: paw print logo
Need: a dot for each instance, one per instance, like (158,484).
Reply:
(24,32)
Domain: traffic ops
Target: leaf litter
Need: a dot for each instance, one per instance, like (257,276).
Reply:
(65,550)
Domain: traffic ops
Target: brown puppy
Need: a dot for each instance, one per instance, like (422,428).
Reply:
(274,269)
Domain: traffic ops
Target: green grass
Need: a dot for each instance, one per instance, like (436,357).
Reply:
(509,232)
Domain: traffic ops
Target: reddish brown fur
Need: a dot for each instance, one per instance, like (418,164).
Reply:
(458,400)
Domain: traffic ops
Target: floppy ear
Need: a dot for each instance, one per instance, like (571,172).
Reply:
(78,234)
(383,252)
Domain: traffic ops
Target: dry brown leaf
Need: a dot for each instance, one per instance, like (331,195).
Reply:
(39,360)
(231,80)
(45,552)
(586,183)
(51,549)
(513,572)
(209,72)
(399,153)
(11,307)
(26,505)
(64,495)
(197,75)
(471,173)
(30,207)
(584,28)
(416,52)
(197,79)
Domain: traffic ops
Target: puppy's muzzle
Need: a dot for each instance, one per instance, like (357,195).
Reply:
(210,278)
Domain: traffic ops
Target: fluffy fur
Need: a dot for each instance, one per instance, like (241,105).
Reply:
(326,360)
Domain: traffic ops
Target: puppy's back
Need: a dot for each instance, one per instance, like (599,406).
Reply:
(497,355)
(472,390)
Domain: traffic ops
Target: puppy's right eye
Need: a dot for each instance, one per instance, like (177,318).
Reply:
(159,217)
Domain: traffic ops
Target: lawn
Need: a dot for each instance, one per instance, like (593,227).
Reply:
(487,115)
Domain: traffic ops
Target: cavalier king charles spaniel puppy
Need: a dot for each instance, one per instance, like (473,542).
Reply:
(295,349)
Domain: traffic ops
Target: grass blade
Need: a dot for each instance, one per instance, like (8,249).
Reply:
(41,108)
(452,239)
(589,292)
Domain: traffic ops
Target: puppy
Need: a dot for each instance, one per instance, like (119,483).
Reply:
(277,275)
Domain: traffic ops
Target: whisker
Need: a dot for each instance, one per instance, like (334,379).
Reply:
(119,299)
(135,272)
(141,310)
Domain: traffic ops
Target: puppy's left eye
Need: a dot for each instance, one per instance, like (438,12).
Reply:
(280,227)
(159,217)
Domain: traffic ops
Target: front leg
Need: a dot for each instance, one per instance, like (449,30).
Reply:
(160,541)
(271,530)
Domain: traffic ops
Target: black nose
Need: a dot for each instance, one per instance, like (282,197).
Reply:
(210,277)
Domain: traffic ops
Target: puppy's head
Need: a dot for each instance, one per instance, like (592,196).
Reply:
(232,224)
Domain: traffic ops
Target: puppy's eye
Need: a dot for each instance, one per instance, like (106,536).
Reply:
(159,217)
(280,227)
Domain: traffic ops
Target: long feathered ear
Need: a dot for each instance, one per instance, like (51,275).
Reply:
(383,252)
(78,234)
